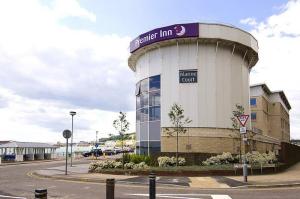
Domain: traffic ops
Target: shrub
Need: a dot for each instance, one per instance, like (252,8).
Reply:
(111,164)
(136,159)
(118,165)
(129,165)
(97,166)
(224,158)
(165,161)
(252,158)
(258,158)
(141,165)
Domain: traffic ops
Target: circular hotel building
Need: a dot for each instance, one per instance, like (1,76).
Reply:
(202,67)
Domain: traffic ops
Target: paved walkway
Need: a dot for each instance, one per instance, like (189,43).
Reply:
(290,177)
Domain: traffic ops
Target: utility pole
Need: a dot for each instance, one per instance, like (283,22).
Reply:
(72,113)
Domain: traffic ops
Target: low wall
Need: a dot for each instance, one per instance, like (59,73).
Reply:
(289,153)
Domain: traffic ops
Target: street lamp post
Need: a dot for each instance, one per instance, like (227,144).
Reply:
(72,113)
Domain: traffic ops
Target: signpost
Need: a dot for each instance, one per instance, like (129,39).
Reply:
(243,130)
(67,134)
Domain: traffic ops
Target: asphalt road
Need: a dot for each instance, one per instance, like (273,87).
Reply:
(14,181)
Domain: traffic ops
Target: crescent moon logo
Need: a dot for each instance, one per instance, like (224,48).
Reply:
(179,30)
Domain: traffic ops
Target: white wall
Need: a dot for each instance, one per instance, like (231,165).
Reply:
(223,81)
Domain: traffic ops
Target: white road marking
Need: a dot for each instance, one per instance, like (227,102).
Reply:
(175,180)
(186,196)
(3,196)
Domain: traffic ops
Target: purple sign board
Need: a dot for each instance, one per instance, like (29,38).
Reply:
(165,33)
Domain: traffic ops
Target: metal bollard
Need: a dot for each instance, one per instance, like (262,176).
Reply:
(110,188)
(152,188)
(40,193)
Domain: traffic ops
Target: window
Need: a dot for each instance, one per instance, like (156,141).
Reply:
(138,102)
(154,113)
(154,98)
(144,100)
(253,116)
(154,83)
(253,101)
(144,114)
(138,115)
(144,85)
(138,89)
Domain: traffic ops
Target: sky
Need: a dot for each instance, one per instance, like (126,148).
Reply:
(58,56)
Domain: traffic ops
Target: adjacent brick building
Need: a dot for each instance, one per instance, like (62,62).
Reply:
(270,112)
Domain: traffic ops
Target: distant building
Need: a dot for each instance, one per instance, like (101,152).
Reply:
(270,112)
(22,151)
(296,142)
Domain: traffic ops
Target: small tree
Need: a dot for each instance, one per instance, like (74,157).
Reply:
(240,110)
(178,121)
(121,125)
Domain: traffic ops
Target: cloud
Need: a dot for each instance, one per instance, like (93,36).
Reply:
(48,69)
(52,61)
(279,40)
(250,21)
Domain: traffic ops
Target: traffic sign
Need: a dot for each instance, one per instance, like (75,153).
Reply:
(67,134)
(96,145)
(243,119)
(243,130)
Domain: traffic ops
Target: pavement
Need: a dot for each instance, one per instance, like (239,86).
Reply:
(288,178)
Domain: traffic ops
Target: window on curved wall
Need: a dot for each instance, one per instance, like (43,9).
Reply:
(154,83)
(148,114)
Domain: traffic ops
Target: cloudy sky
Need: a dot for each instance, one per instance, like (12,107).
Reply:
(57,56)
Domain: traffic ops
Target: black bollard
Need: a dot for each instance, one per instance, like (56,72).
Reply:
(40,193)
(152,189)
(110,188)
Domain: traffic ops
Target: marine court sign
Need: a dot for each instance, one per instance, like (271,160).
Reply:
(188,76)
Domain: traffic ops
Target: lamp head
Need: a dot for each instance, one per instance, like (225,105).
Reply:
(72,113)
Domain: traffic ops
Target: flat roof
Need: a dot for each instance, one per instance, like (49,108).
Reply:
(269,92)
(16,144)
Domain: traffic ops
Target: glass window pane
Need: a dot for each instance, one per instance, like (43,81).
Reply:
(138,131)
(144,114)
(144,85)
(138,89)
(253,116)
(154,130)
(138,115)
(154,113)
(253,101)
(154,98)
(144,100)
(154,83)
(143,132)
(138,102)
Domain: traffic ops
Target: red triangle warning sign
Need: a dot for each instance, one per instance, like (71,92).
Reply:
(243,119)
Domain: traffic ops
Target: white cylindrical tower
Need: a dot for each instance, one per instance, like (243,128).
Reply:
(202,67)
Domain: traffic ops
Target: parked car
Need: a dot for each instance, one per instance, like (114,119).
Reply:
(108,151)
(94,152)
(117,150)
